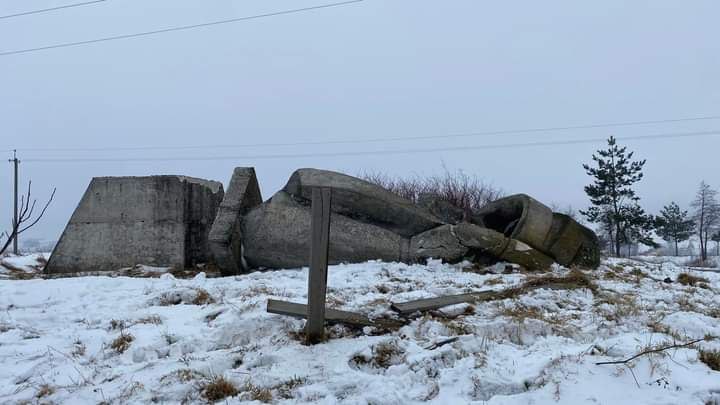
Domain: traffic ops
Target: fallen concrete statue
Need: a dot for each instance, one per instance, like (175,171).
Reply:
(180,222)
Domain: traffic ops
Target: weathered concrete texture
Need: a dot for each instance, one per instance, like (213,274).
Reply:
(124,221)
(453,243)
(363,201)
(277,235)
(225,238)
(523,218)
(439,243)
(519,217)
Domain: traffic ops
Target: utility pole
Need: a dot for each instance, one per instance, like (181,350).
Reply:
(14,235)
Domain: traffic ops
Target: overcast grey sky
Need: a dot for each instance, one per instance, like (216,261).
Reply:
(366,70)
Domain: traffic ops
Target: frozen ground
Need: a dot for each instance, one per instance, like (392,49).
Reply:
(23,266)
(92,340)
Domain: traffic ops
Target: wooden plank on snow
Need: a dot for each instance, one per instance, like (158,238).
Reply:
(331,315)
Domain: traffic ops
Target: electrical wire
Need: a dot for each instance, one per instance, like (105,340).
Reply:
(45,10)
(180,28)
(368,140)
(375,152)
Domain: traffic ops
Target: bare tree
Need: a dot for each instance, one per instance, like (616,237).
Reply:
(707,215)
(25,217)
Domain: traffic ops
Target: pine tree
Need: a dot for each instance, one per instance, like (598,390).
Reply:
(706,216)
(674,225)
(614,202)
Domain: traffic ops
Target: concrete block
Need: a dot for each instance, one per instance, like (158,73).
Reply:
(123,221)
(225,239)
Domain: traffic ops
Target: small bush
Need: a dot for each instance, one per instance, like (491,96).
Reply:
(711,358)
(122,342)
(468,193)
(689,279)
(219,388)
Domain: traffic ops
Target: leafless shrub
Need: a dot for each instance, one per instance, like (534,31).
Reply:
(459,189)
(25,219)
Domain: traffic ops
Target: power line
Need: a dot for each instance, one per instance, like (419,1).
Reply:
(378,152)
(45,10)
(180,28)
(371,140)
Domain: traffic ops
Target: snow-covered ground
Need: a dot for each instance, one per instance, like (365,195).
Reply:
(91,340)
(22,266)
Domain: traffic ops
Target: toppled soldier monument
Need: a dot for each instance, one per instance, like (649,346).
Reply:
(177,221)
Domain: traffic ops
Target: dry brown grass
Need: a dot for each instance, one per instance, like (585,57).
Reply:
(44,390)
(122,342)
(384,355)
(263,395)
(218,388)
(711,358)
(286,389)
(79,349)
(202,297)
(575,279)
(689,279)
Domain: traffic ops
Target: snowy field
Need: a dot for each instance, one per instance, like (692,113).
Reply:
(103,340)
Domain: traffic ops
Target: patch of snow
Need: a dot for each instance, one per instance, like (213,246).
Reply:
(538,348)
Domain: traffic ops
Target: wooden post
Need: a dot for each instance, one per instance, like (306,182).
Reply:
(317,278)
(16,225)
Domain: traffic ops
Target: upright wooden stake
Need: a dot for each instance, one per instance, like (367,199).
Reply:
(317,278)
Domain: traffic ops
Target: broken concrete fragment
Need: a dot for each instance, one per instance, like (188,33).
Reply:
(571,243)
(526,256)
(276,234)
(519,217)
(494,244)
(120,222)
(363,201)
(225,239)
(556,235)
(438,243)
(486,240)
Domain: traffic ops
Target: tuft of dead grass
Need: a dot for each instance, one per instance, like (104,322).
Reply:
(218,389)
(287,388)
(711,358)
(44,390)
(122,342)
(689,279)
(257,393)
(202,297)
(575,279)
(383,355)
(79,349)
